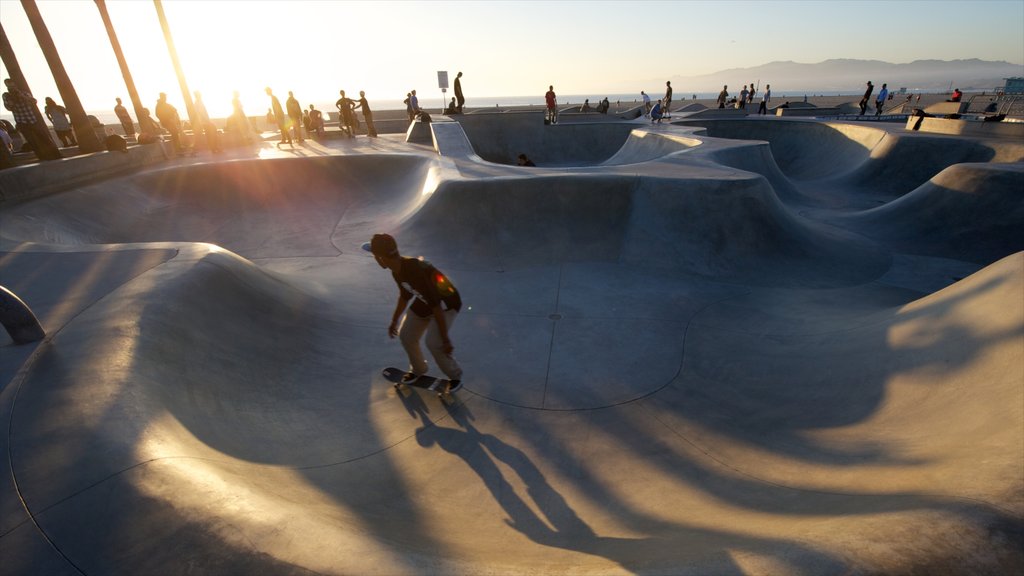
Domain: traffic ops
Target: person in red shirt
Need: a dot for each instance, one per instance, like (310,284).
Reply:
(957,95)
(552,101)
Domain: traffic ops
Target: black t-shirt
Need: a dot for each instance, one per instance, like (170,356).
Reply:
(419,279)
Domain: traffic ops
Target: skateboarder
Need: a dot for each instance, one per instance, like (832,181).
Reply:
(435,305)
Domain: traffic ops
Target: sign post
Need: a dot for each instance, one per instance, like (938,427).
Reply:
(442,83)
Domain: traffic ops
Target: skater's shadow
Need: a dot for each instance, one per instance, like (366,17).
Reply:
(551,521)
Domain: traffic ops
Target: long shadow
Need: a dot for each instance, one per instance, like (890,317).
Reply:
(559,526)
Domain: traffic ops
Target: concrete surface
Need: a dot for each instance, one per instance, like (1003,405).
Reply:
(725,346)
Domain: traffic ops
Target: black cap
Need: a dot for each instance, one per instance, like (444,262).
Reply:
(383,245)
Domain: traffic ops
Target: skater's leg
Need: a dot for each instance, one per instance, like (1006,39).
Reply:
(435,344)
(409,334)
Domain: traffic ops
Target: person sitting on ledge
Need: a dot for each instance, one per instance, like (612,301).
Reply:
(586,106)
(957,95)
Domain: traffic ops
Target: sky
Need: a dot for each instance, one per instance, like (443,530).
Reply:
(315,48)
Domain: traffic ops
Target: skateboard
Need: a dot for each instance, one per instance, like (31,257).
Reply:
(437,385)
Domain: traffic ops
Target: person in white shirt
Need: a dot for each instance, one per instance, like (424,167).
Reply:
(765,99)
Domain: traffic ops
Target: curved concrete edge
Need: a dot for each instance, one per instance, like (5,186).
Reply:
(37,180)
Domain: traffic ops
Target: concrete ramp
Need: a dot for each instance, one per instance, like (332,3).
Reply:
(971,212)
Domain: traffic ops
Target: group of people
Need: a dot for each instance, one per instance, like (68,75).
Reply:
(291,120)
(880,100)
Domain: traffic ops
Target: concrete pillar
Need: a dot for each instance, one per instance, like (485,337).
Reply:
(133,94)
(177,64)
(84,132)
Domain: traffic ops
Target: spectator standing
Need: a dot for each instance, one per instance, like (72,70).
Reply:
(61,125)
(28,122)
(867,97)
(750,95)
(880,100)
(667,107)
(294,115)
(647,104)
(346,114)
(742,102)
(551,101)
(363,105)
(124,118)
(765,99)
(169,119)
(460,100)
(414,103)
(277,113)
(723,96)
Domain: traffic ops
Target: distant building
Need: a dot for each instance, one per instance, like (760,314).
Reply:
(1013,86)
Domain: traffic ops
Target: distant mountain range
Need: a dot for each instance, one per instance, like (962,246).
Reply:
(844,75)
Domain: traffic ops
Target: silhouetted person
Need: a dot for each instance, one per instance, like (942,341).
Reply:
(586,106)
(124,118)
(408,106)
(867,97)
(316,121)
(28,121)
(414,103)
(452,108)
(363,105)
(150,136)
(460,100)
(295,115)
(169,119)
(346,114)
(279,117)
(723,96)
(435,306)
(668,98)
(551,101)
(61,124)
(744,94)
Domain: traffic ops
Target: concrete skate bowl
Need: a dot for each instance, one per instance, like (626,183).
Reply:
(835,155)
(969,212)
(735,228)
(502,138)
(668,375)
(260,208)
